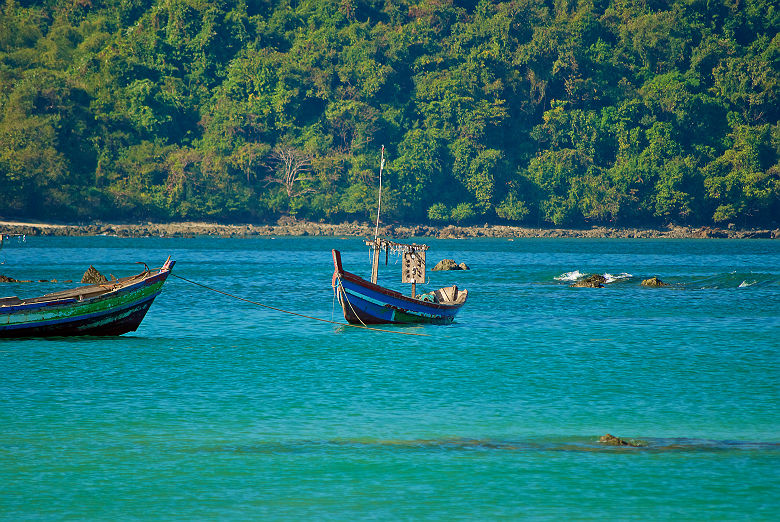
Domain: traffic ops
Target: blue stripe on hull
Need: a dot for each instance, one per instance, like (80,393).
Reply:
(371,307)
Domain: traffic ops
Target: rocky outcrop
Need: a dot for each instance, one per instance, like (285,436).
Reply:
(450,264)
(6,279)
(289,226)
(653,282)
(593,281)
(611,440)
(446,264)
(93,277)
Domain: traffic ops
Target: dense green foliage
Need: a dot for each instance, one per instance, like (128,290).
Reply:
(530,111)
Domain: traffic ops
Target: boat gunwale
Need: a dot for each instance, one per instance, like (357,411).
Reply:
(121,286)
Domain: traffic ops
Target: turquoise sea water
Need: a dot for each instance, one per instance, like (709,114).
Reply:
(217,408)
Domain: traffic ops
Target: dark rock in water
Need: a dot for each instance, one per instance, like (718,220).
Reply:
(446,264)
(653,281)
(93,277)
(6,279)
(611,440)
(463,266)
(593,281)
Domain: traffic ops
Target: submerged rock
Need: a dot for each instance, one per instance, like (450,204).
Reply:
(653,281)
(611,440)
(93,277)
(593,281)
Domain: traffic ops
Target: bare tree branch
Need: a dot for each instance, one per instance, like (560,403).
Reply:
(288,166)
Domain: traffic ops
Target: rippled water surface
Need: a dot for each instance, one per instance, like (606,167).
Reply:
(218,408)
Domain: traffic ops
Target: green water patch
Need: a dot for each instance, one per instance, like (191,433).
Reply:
(460,444)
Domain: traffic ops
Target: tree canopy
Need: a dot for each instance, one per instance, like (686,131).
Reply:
(545,112)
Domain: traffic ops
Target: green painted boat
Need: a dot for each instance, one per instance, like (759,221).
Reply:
(112,308)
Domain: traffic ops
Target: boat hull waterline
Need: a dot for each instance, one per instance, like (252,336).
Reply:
(109,309)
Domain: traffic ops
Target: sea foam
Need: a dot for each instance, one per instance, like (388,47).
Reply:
(576,274)
(569,276)
(612,278)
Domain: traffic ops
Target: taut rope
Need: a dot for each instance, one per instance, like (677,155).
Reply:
(364,327)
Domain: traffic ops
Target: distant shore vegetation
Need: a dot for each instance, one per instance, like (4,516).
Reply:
(564,113)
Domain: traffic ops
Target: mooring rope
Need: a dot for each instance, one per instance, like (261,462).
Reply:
(344,291)
(294,313)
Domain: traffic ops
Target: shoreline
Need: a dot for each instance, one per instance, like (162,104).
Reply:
(291,227)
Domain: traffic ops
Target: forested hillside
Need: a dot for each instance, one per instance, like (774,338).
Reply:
(559,112)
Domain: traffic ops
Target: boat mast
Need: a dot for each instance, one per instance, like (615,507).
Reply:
(379,205)
(375,260)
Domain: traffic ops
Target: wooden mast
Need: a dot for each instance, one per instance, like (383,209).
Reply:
(413,270)
(375,247)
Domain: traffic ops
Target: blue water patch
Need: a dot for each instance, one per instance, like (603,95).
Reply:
(218,408)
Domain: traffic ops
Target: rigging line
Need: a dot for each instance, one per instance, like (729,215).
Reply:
(294,313)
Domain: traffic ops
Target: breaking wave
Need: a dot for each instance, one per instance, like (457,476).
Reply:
(620,277)
(569,276)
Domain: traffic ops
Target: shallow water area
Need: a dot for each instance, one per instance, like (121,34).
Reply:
(219,408)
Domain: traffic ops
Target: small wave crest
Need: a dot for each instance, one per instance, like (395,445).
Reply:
(569,276)
(734,280)
(576,275)
(620,277)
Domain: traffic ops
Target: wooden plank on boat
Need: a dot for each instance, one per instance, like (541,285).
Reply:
(413,267)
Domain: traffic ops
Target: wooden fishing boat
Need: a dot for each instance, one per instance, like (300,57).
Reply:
(112,308)
(365,302)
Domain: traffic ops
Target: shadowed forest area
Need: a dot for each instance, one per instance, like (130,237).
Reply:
(565,113)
